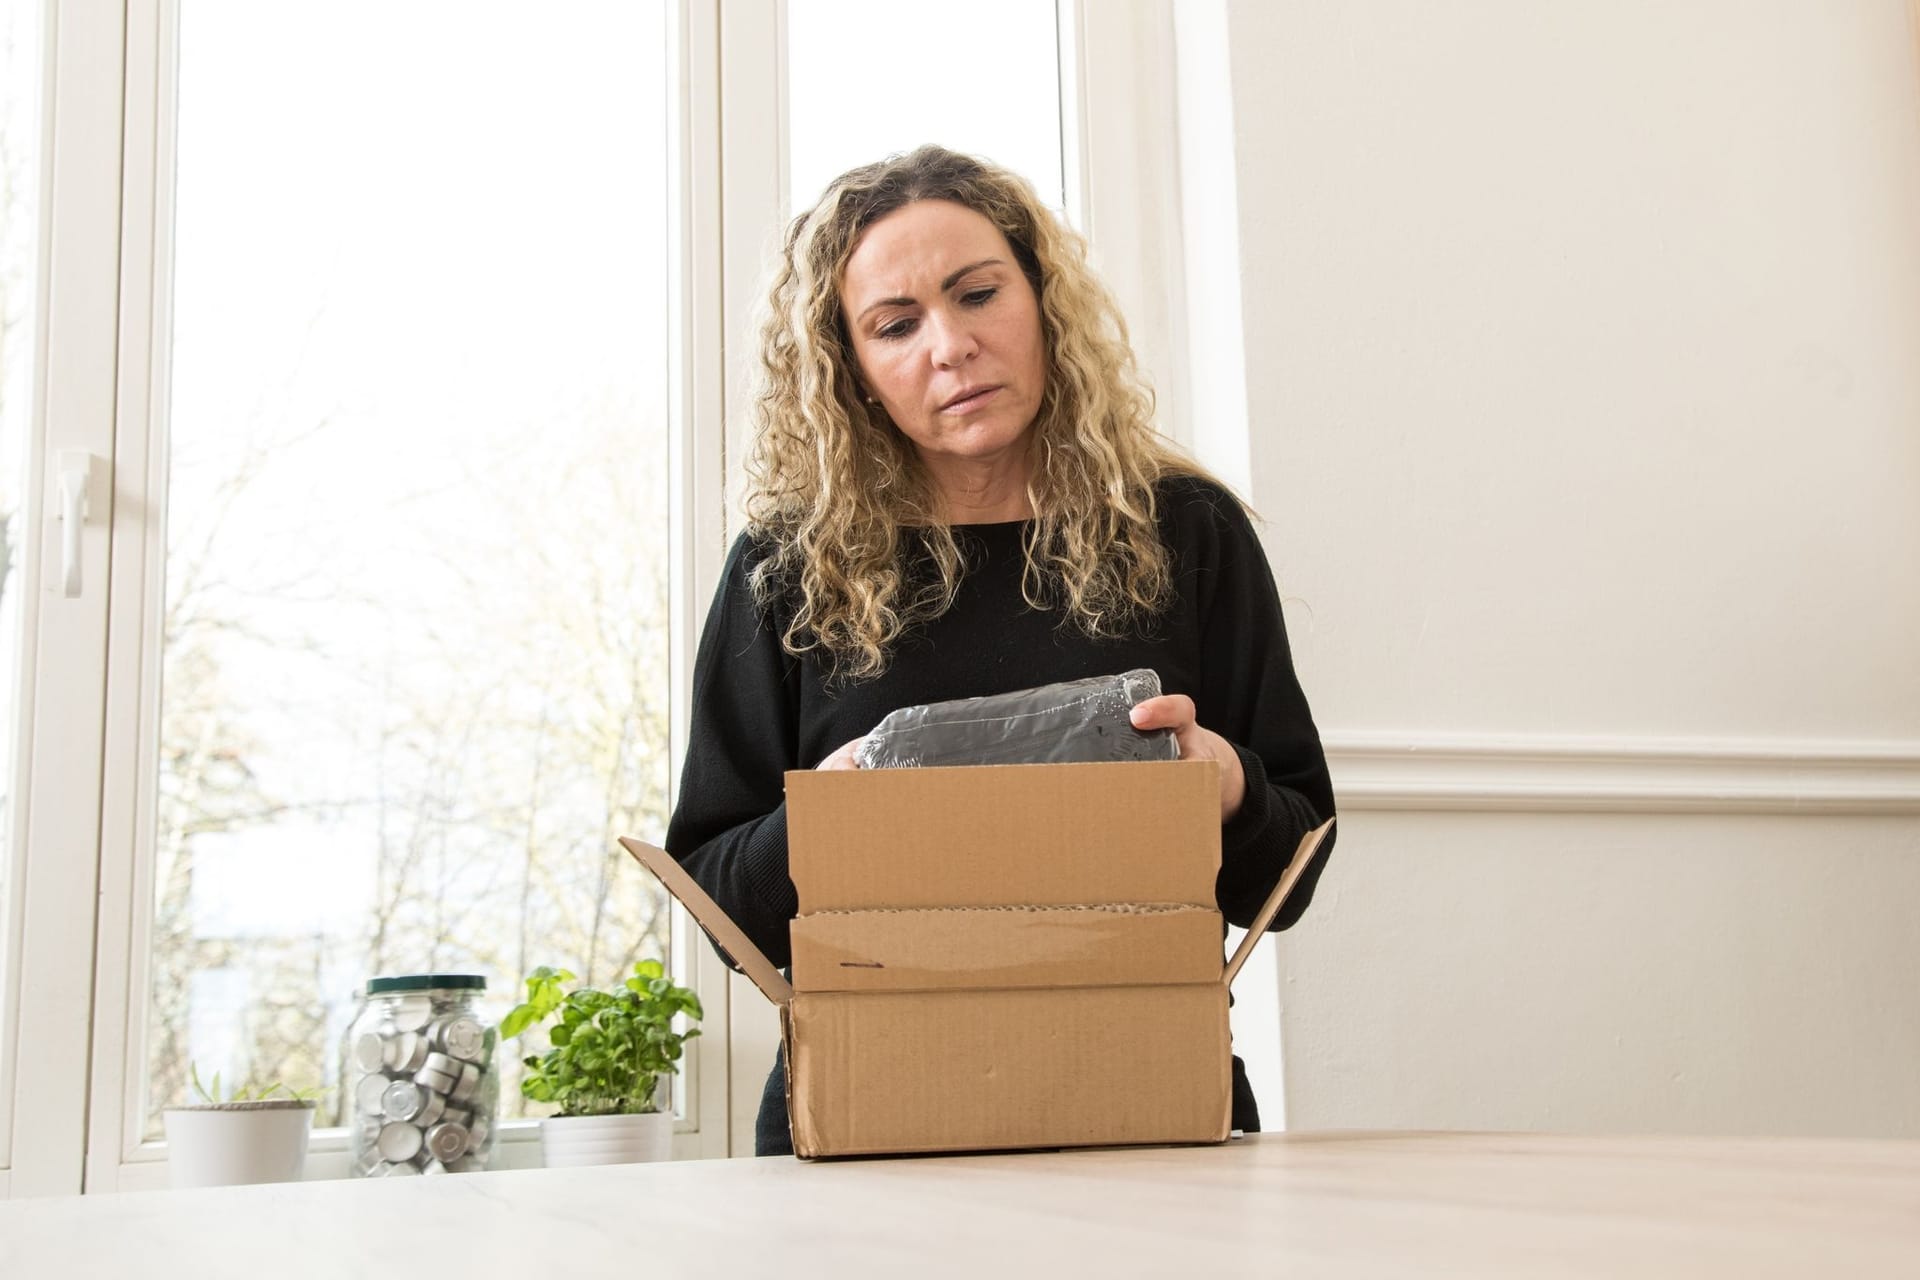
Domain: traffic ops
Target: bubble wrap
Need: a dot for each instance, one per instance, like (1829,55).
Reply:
(1079,720)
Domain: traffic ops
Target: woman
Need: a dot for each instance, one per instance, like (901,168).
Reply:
(956,491)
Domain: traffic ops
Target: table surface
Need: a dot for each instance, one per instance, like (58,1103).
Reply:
(1337,1204)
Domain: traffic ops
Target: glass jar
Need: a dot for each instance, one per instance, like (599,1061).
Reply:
(421,1091)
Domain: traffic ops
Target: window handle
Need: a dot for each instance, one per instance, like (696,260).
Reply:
(76,478)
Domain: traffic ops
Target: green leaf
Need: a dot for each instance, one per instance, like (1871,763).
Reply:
(608,1049)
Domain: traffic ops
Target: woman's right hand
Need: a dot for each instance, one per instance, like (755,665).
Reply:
(844,757)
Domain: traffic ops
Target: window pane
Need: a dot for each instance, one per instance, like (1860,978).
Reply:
(415,637)
(20,55)
(870,77)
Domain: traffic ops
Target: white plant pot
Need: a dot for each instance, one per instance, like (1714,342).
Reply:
(237,1143)
(568,1142)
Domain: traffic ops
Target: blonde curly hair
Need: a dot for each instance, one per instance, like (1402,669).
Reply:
(834,486)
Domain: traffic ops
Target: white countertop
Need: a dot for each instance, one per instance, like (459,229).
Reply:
(1320,1205)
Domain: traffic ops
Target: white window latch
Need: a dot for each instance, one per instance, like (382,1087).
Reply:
(75,467)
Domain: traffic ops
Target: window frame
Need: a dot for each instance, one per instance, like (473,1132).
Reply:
(72,919)
(118,1156)
(56,821)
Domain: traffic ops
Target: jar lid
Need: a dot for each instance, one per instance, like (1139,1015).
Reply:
(427,982)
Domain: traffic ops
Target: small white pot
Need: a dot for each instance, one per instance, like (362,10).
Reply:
(568,1142)
(238,1142)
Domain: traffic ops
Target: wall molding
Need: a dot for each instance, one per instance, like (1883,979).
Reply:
(1547,773)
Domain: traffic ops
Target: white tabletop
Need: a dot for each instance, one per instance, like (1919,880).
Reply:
(1320,1205)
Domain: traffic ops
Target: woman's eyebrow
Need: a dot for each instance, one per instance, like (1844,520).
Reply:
(954,279)
(945,285)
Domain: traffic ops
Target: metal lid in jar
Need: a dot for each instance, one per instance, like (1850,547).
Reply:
(369,1052)
(447,1142)
(402,1099)
(431,1111)
(411,1013)
(406,1051)
(367,1094)
(459,1035)
(399,1141)
(427,982)
(469,1080)
(437,1081)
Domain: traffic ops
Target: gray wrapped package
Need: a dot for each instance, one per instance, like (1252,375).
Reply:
(1076,721)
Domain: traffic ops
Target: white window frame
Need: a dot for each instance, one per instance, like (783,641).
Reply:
(56,824)
(75,1082)
(118,1158)
(1119,144)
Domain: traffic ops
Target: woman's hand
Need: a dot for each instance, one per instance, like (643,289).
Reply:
(1175,711)
(844,757)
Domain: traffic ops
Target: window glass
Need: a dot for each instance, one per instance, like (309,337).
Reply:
(867,78)
(414,678)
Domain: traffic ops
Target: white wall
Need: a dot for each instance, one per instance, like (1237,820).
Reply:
(1583,365)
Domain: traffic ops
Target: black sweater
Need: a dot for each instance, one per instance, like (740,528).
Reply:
(759,711)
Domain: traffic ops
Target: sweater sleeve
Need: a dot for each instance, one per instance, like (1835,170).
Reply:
(729,824)
(1249,695)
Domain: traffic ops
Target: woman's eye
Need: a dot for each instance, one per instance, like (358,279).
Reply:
(897,329)
(979,297)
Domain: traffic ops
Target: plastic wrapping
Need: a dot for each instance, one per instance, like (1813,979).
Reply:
(1072,722)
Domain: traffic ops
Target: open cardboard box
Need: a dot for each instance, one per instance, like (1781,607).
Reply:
(1001,956)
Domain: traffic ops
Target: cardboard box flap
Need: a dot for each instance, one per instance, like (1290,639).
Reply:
(1304,853)
(1084,834)
(998,948)
(752,961)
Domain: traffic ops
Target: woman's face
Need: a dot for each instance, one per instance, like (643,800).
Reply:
(946,330)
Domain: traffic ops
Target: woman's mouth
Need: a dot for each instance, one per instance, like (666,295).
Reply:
(970,400)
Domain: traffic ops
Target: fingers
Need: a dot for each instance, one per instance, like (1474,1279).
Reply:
(1169,711)
(1175,711)
(845,757)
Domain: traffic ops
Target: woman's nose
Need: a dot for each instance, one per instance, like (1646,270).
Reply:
(952,340)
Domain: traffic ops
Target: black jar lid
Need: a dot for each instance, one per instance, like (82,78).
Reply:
(427,982)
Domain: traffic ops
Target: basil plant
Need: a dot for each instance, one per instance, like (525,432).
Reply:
(608,1051)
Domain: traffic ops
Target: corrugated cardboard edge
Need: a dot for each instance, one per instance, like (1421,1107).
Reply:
(803,1142)
(1303,854)
(752,961)
(918,949)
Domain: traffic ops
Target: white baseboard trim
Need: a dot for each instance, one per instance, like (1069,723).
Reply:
(1578,774)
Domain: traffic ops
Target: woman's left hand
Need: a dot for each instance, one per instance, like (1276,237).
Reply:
(1175,711)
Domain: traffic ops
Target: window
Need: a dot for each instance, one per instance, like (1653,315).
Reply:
(413,644)
(867,78)
(408,369)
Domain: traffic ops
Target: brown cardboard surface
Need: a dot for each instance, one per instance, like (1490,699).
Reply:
(752,961)
(989,836)
(875,1072)
(972,947)
(1303,854)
